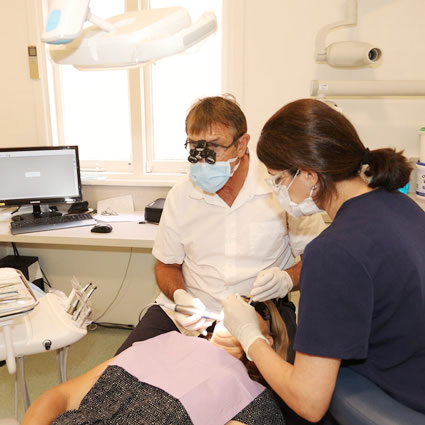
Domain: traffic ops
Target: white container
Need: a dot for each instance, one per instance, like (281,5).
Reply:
(420,181)
(422,145)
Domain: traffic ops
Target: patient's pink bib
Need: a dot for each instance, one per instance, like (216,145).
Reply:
(212,385)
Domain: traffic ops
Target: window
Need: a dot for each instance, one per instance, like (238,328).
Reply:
(129,124)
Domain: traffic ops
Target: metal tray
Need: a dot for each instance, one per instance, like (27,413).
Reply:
(16,295)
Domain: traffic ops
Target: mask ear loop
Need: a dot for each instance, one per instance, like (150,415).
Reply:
(313,188)
(236,166)
(293,179)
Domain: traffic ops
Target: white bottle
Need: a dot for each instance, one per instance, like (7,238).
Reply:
(420,181)
(422,145)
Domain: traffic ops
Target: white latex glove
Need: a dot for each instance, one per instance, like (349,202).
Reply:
(195,322)
(271,283)
(240,319)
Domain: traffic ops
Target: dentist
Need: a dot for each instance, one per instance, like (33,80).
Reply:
(222,230)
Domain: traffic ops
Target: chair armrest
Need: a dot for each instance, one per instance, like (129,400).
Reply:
(358,401)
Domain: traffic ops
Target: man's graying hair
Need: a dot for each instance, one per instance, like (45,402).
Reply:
(216,110)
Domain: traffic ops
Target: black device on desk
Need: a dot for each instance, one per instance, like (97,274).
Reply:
(102,228)
(41,176)
(153,211)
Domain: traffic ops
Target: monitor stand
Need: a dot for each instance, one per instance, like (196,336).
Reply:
(37,213)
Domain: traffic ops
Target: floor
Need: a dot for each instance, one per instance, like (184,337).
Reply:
(42,372)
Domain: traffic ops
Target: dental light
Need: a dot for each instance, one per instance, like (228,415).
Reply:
(346,54)
(123,41)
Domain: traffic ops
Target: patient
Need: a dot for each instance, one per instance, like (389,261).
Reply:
(171,379)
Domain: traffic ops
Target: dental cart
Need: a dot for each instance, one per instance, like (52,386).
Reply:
(29,325)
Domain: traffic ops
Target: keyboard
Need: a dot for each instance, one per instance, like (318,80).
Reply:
(51,223)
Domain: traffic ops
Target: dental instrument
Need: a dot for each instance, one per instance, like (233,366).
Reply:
(189,310)
(83,303)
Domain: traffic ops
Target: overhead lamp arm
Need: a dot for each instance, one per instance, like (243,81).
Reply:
(350,19)
(101,23)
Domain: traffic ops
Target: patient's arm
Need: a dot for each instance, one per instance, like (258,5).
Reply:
(61,398)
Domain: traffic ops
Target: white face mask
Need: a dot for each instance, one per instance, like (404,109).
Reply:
(306,207)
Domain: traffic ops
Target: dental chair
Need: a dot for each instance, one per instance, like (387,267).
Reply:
(358,401)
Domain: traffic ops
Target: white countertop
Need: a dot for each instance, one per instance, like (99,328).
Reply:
(124,234)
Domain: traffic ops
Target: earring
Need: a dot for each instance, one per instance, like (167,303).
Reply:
(314,187)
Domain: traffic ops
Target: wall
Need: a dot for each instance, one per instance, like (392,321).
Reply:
(141,195)
(22,117)
(279,62)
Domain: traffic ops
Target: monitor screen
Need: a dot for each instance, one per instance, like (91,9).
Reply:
(39,175)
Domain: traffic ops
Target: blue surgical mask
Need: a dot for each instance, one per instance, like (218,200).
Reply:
(212,177)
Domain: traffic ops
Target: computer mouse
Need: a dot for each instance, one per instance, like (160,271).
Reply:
(102,228)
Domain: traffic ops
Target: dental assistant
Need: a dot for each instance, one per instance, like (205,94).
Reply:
(222,230)
(362,284)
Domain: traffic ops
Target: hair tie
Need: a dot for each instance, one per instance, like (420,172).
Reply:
(365,159)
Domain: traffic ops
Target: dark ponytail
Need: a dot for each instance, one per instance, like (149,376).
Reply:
(388,169)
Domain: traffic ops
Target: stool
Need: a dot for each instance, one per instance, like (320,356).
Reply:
(358,401)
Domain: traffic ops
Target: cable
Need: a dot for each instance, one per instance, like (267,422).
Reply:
(15,250)
(110,325)
(15,211)
(45,279)
(119,289)
(144,308)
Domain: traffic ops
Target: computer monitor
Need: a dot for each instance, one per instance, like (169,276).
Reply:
(42,175)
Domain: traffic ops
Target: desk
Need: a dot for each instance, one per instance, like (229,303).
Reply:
(124,234)
(119,263)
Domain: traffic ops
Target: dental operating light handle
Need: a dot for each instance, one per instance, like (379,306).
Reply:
(65,20)
(189,310)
